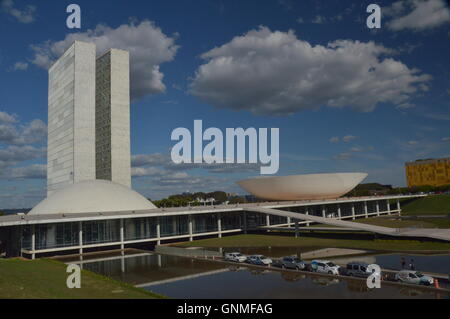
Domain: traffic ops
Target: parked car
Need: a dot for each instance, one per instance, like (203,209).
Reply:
(414,277)
(259,260)
(325,267)
(358,269)
(290,263)
(235,257)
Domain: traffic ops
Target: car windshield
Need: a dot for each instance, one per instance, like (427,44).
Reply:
(418,274)
(330,264)
(297,260)
(238,255)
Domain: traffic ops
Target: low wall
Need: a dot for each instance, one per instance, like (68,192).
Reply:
(187,252)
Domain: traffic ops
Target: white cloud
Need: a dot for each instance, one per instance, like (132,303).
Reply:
(7,118)
(445,139)
(275,73)
(334,139)
(349,138)
(26,15)
(20,66)
(149,47)
(342,156)
(318,19)
(417,15)
(12,133)
(35,171)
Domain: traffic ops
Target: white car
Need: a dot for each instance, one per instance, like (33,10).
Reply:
(259,260)
(235,257)
(325,267)
(414,277)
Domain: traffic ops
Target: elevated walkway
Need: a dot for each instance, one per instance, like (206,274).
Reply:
(434,233)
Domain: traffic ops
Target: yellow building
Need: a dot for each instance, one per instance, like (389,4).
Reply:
(431,172)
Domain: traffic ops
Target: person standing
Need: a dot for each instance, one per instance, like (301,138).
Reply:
(403,262)
(411,265)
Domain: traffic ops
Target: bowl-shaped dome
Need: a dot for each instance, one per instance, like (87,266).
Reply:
(96,196)
(302,187)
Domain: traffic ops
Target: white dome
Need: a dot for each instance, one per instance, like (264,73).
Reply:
(302,187)
(98,196)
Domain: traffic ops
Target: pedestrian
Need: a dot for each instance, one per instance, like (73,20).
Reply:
(403,262)
(411,265)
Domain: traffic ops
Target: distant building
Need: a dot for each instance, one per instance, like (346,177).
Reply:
(429,172)
(88,117)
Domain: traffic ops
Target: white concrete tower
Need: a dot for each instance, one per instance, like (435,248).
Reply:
(112,109)
(71,117)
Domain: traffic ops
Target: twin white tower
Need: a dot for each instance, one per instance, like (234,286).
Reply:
(88,117)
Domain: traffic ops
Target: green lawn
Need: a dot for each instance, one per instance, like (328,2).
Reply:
(419,222)
(430,205)
(309,242)
(46,279)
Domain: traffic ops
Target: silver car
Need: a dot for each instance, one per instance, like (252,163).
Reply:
(292,263)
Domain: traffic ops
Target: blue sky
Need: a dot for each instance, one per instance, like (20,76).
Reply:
(346,98)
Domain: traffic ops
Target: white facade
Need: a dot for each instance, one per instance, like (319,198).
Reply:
(71,118)
(113,160)
(92,197)
(302,187)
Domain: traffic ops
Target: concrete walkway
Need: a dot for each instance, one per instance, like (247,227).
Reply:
(435,233)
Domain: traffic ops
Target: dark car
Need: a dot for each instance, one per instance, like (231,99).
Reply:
(290,263)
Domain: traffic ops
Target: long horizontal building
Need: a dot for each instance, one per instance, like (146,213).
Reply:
(92,225)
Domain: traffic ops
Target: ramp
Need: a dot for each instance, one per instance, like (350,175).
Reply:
(434,233)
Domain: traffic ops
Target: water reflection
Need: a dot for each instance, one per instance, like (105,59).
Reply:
(180,277)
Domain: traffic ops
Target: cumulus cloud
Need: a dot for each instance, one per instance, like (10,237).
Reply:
(417,15)
(20,66)
(26,15)
(6,118)
(149,47)
(275,73)
(13,155)
(159,164)
(12,133)
(35,171)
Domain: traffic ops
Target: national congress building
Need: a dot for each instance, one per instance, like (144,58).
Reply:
(88,117)
(90,204)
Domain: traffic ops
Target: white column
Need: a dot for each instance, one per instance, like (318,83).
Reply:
(353,211)
(339,211)
(219,224)
(191,237)
(366,211)
(289,221)
(378,208)
(158,231)
(307,213)
(267,220)
(296,228)
(33,241)
(122,239)
(324,211)
(388,206)
(80,237)
(399,208)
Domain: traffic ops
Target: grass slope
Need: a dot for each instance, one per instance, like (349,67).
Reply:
(430,205)
(46,279)
(309,242)
(416,222)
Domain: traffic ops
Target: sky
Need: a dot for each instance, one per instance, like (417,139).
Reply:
(345,98)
